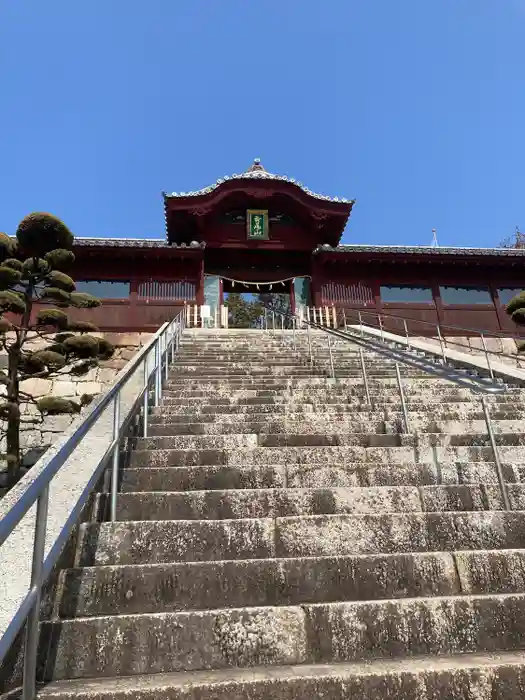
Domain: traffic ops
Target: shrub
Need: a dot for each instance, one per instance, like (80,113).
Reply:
(55,294)
(53,405)
(50,358)
(84,301)
(39,233)
(83,326)
(516,303)
(61,281)
(9,276)
(11,301)
(52,317)
(82,345)
(60,259)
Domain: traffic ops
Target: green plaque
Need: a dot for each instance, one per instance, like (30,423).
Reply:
(257,224)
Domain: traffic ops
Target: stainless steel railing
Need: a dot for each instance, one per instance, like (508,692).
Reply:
(479,387)
(155,359)
(369,318)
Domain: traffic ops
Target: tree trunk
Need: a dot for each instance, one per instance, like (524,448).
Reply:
(13,421)
(14,461)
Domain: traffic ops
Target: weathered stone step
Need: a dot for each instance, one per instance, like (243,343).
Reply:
(201,477)
(257,362)
(328,455)
(125,590)
(355,407)
(218,504)
(286,425)
(499,676)
(332,423)
(439,415)
(312,633)
(143,542)
(345,475)
(224,373)
(343,438)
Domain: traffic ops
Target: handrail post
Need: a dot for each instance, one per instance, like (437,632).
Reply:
(31,639)
(402,396)
(174,336)
(114,468)
(380,321)
(344,319)
(156,375)
(499,469)
(365,378)
(166,354)
(406,333)
(487,356)
(441,343)
(309,343)
(145,404)
(332,368)
(294,321)
(360,322)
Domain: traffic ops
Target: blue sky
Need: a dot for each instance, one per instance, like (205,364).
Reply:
(414,107)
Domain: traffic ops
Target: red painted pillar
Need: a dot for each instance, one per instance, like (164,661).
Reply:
(200,283)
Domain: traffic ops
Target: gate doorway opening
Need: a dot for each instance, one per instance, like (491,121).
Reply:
(256,305)
(251,304)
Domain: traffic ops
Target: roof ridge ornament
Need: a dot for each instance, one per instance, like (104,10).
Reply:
(256,166)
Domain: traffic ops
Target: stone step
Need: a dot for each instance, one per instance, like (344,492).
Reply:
(498,676)
(163,541)
(125,590)
(347,475)
(126,645)
(217,504)
(292,396)
(321,455)
(196,408)
(321,423)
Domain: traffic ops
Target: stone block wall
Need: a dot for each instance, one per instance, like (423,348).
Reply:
(38,435)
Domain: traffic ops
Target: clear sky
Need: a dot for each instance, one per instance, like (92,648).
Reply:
(416,108)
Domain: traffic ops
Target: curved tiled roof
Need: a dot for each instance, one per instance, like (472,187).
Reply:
(420,249)
(136,243)
(257,172)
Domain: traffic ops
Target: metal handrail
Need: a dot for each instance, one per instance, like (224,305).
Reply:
(164,345)
(496,334)
(443,340)
(362,342)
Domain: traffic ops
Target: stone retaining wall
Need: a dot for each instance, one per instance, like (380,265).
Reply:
(36,437)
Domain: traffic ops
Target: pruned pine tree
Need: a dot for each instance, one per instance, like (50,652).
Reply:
(40,341)
(516,310)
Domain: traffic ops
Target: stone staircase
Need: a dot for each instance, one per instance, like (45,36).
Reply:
(278,537)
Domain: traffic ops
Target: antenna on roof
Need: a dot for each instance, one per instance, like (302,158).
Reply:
(434,243)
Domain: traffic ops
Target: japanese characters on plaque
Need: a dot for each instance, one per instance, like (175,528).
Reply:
(257,224)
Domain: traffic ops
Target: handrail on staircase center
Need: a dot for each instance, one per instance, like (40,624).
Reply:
(155,358)
(477,385)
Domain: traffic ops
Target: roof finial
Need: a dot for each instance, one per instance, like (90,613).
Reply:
(256,166)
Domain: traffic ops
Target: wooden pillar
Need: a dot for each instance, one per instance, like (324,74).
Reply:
(292,296)
(200,282)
